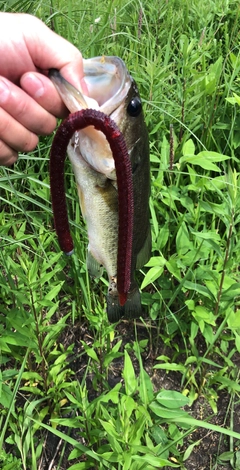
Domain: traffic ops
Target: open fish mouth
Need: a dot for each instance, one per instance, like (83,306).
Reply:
(108,83)
(107,80)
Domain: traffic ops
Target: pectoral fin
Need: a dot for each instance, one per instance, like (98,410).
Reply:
(93,266)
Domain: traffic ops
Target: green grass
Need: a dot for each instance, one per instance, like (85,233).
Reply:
(185,58)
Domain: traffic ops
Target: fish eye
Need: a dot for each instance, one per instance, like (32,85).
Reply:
(134,107)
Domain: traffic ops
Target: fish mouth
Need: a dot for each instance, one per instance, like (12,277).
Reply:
(108,83)
(107,80)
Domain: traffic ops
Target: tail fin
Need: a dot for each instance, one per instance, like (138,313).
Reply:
(131,309)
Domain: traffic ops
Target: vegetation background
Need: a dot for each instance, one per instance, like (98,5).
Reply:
(161,392)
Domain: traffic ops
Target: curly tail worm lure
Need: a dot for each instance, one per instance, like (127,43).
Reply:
(105,124)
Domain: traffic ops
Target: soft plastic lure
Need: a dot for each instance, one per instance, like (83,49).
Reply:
(75,122)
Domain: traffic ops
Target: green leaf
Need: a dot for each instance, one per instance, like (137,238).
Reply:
(167,413)
(151,276)
(226,456)
(90,351)
(202,313)
(69,440)
(131,383)
(205,160)
(208,235)
(145,387)
(30,375)
(110,429)
(212,156)
(204,424)
(173,267)
(189,450)
(18,340)
(183,243)
(199,288)
(171,366)
(188,148)
(6,396)
(52,294)
(234,320)
(127,459)
(234,100)
(81,466)
(154,217)
(237,460)
(156,261)
(225,382)
(156,462)
(112,456)
(163,236)
(237,342)
(230,293)
(128,405)
(172,399)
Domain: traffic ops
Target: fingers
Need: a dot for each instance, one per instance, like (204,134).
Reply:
(24,109)
(17,125)
(8,156)
(42,90)
(22,118)
(15,135)
(25,113)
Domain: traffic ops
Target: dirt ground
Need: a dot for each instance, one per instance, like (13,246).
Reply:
(211,445)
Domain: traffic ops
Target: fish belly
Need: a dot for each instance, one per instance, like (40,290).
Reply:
(99,205)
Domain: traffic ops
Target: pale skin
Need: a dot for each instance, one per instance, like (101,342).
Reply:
(29,102)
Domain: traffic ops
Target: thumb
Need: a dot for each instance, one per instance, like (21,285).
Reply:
(49,50)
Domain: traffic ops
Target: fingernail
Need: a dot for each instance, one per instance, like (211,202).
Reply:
(4,91)
(33,85)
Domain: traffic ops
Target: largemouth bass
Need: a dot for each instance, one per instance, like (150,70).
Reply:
(114,92)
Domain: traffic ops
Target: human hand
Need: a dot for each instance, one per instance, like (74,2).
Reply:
(29,102)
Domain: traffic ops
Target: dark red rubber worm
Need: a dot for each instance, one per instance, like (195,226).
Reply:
(104,123)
